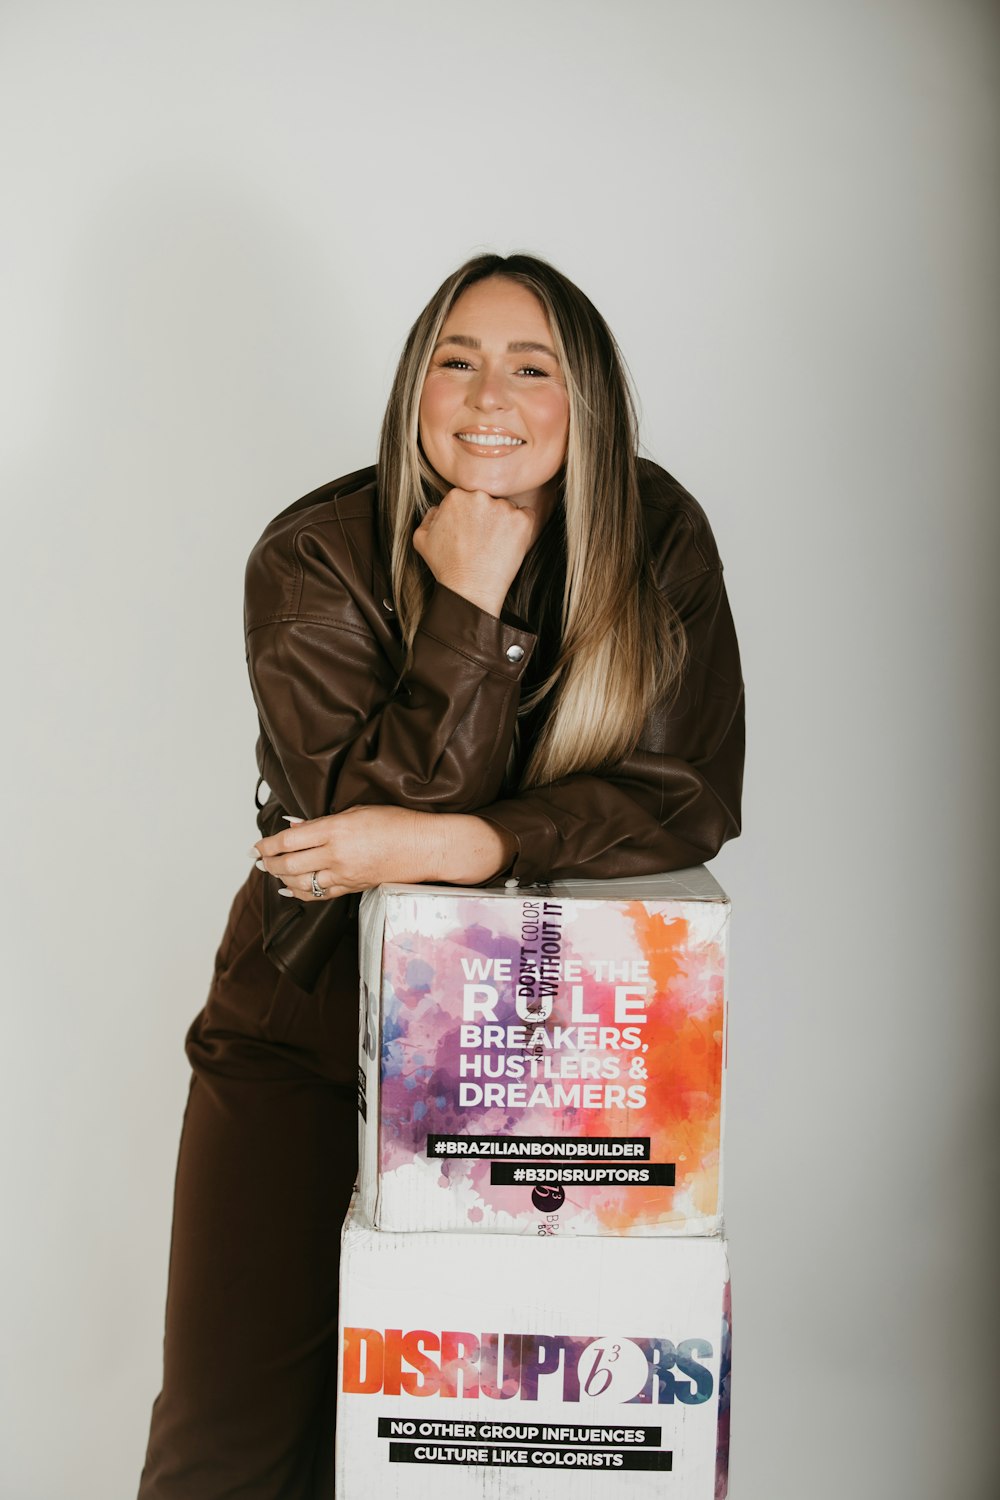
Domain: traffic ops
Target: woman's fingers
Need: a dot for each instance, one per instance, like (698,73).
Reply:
(296,850)
(300,883)
(297,853)
(312,834)
(295,893)
(302,862)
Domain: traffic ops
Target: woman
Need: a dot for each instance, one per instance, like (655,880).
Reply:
(504,654)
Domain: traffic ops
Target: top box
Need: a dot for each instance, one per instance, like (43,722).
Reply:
(544,1060)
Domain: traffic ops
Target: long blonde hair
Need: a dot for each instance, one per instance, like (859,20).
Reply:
(621,645)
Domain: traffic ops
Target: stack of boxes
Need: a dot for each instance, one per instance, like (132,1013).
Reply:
(533,1275)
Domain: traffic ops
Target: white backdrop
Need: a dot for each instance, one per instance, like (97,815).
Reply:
(219,220)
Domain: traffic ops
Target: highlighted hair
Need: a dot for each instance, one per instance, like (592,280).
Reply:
(621,645)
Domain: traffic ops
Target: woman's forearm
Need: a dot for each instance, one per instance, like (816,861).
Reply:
(369,846)
(463,849)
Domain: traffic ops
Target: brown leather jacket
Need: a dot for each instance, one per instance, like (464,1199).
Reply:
(342,724)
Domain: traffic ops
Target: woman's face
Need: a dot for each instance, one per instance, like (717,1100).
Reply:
(494,411)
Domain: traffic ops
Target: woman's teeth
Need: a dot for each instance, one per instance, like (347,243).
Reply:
(489,440)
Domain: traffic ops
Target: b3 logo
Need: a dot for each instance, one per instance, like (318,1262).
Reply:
(612,1369)
(548,1200)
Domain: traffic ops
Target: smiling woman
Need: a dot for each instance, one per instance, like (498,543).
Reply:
(494,411)
(505,652)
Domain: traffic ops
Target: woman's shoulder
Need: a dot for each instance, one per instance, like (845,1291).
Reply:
(351,497)
(329,533)
(680,538)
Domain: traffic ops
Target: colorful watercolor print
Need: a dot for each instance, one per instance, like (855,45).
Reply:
(555,1064)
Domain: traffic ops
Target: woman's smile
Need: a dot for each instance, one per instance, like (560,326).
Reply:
(490,441)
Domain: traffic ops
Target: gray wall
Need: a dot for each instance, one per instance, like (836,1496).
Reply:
(219,220)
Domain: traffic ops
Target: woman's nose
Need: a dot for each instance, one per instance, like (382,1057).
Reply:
(489,392)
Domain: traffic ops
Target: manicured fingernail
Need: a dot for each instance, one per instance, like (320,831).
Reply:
(289,819)
(284,891)
(261,865)
(253,852)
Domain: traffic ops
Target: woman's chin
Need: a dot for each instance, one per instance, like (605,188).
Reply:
(491,476)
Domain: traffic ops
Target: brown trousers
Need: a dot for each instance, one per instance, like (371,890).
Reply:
(267,1162)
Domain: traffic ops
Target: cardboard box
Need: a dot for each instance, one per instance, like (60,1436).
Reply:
(491,1366)
(547,1060)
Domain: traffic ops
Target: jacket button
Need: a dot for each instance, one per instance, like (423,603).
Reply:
(387,604)
(514,653)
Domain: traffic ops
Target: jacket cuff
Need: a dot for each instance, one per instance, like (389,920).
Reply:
(536,836)
(458,624)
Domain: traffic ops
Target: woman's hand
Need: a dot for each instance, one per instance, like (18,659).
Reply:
(474,543)
(369,846)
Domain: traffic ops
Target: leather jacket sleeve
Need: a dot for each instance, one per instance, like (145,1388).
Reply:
(347,728)
(675,799)
(342,723)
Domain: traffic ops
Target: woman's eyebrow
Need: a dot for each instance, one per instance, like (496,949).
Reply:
(516,346)
(526,346)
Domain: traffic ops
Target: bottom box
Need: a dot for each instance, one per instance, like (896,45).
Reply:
(473,1365)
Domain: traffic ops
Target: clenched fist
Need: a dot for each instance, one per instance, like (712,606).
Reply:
(474,543)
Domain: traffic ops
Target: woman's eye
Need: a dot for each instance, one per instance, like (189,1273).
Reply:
(531,370)
(454,363)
